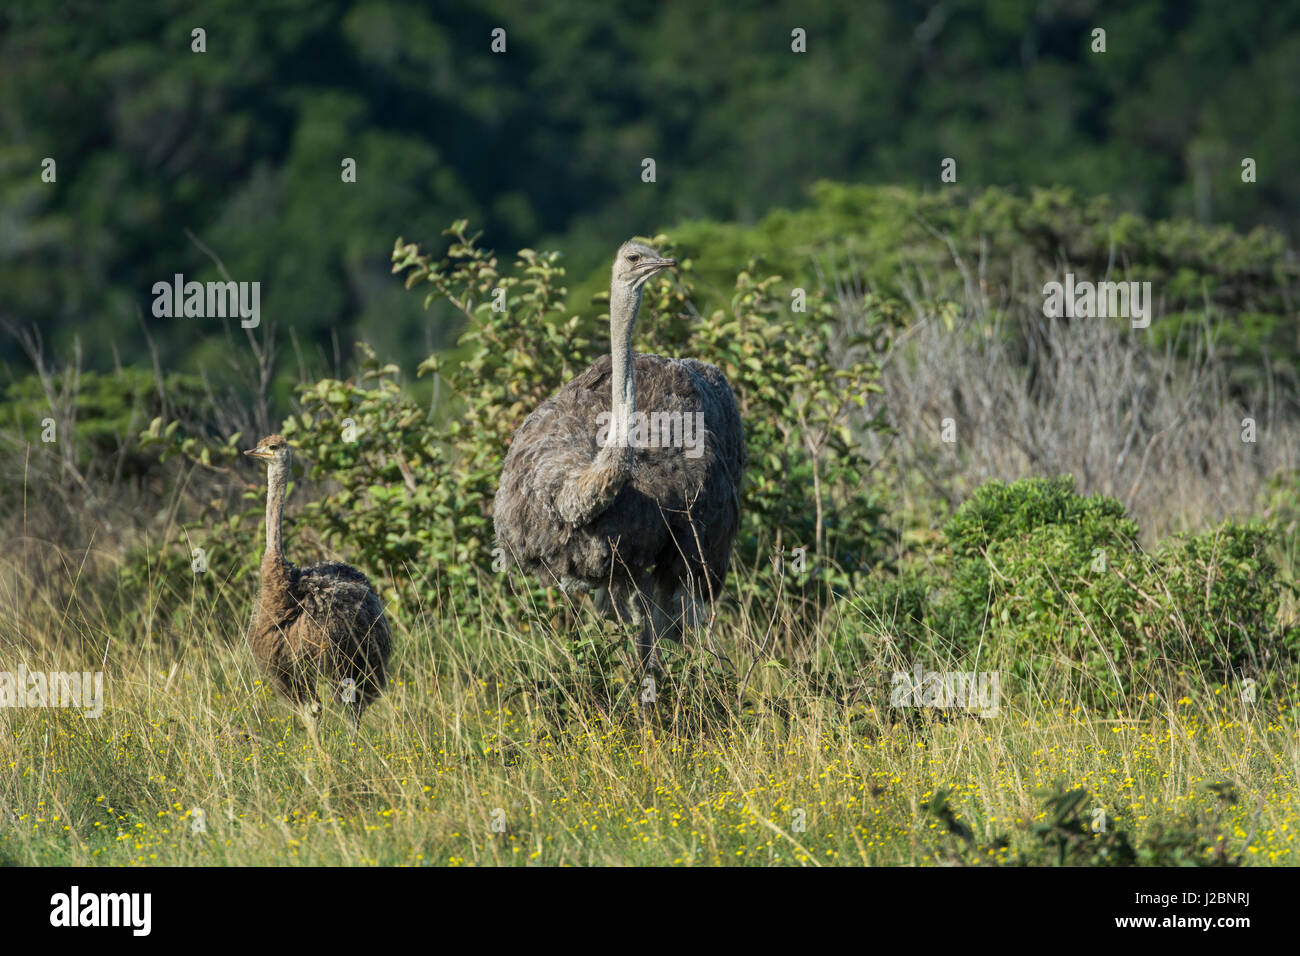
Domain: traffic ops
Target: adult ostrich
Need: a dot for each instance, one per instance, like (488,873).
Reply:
(319,621)
(627,480)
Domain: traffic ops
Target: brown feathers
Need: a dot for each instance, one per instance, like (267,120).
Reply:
(667,502)
(320,622)
(628,478)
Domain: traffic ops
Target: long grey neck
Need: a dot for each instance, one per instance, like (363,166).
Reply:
(277,479)
(623,306)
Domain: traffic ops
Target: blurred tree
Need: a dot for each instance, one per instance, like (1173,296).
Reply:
(543,144)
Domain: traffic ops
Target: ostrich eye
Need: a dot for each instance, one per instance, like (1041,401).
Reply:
(633,257)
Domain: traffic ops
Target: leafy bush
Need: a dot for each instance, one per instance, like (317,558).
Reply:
(1206,603)
(1051,589)
(998,511)
(405,490)
(371,444)
(994,526)
(98,415)
(880,237)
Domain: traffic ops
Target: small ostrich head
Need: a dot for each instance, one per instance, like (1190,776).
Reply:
(274,450)
(635,263)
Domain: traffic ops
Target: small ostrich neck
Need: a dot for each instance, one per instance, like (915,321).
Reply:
(623,306)
(277,480)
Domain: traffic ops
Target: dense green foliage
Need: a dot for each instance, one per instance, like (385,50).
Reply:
(76,434)
(1050,589)
(994,249)
(543,143)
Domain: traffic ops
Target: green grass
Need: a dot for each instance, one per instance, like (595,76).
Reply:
(455,766)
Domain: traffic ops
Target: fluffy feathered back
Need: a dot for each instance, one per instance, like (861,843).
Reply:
(675,512)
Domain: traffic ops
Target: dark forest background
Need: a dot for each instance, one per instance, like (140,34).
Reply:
(542,146)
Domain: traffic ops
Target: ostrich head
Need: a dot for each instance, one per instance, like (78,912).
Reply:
(635,263)
(275,451)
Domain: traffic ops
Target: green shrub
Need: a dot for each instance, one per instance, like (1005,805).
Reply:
(998,511)
(1050,589)
(405,490)
(877,236)
(1117,617)
(109,411)
(1225,586)
(1040,534)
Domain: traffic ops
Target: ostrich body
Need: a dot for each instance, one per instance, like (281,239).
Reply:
(584,504)
(320,621)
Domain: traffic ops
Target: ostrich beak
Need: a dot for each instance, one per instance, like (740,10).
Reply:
(649,267)
(259,453)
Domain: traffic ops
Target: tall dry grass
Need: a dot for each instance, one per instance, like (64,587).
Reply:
(196,762)
(1157,426)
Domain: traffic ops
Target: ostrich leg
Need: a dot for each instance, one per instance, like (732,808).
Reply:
(633,606)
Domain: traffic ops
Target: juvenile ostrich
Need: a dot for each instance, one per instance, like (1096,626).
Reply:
(320,621)
(592,498)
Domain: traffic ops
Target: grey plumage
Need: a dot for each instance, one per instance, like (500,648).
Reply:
(324,621)
(651,526)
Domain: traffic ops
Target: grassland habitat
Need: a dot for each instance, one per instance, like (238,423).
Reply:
(1006,309)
